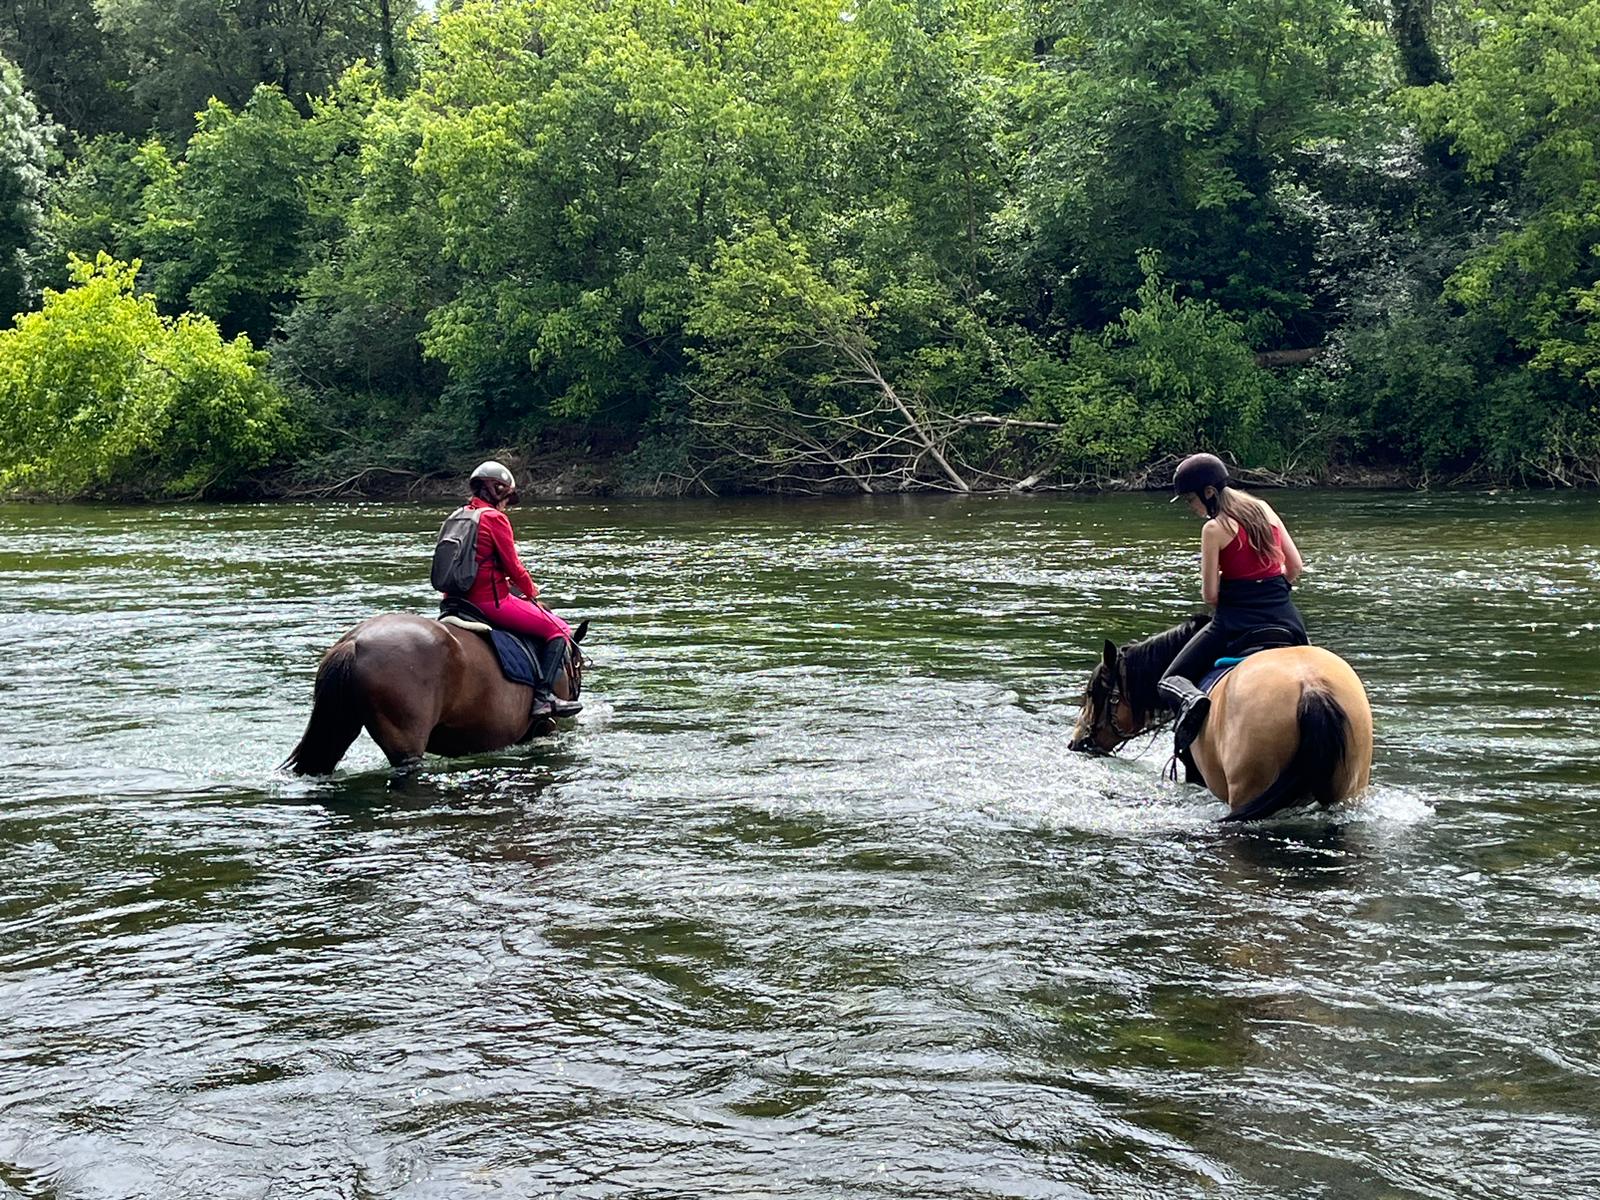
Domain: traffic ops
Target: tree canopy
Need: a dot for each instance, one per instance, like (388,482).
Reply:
(898,243)
(101,395)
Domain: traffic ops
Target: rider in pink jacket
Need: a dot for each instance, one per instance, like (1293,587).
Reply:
(500,570)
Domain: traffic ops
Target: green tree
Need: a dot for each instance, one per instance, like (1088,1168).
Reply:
(100,395)
(819,374)
(350,355)
(185,53)
(581,158)
(97,203)
(78,75)
(26,140)
(1168,376)
(233,227)
(1523,106)
(935,88)
(1176,124)
(228,225)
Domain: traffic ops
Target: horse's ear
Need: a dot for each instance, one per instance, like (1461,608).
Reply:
(583,628)
(1110,655)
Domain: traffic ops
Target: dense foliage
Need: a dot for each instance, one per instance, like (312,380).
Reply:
(102,395)
(26,142)
(897,243)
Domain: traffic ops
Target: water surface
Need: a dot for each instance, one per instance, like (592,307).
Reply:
(811,901)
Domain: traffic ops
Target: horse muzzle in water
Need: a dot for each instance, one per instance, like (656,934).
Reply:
(1087,745)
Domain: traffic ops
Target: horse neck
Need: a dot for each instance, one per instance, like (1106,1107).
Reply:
(1144,663)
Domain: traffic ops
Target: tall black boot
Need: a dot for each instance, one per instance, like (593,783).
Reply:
(1190,704)
(551,659)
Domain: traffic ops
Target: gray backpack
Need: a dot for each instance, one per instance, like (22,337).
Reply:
(455,557)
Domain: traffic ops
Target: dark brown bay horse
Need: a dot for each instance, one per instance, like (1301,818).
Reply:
(1288,726)
(418,685)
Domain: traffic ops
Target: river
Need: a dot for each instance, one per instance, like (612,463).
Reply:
(811,900)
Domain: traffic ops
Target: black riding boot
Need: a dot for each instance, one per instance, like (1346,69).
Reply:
(551,659)
(1189,703)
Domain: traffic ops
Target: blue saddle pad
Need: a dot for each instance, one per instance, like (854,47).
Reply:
(516,657)
(1217,672)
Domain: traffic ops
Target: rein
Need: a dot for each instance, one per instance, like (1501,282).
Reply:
(1113,699)
(1148,659)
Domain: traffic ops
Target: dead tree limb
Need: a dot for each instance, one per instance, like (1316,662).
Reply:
(868,365)
(990,421)
(352,482)
(1290,358)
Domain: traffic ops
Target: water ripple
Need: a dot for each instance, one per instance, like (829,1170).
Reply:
(811,901)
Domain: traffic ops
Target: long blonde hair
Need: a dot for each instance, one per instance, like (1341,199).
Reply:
(1251,516)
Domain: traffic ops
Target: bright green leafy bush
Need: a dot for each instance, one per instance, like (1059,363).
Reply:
(100,395)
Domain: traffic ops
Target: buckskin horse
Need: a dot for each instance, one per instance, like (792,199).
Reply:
(419,685)
(1287,726)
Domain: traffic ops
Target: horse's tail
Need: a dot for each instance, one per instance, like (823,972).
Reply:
(336,714)
(1324,733)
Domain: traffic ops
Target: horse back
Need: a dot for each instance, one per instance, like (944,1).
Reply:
(396,642)
(483,710)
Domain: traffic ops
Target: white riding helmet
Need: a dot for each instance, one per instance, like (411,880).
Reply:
(493,470)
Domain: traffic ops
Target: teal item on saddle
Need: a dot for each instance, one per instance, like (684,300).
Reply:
(1217,673)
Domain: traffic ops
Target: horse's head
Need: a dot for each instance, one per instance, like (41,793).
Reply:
(1107,719)
(575,661)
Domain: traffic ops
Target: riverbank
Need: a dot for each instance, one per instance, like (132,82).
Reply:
(588,475)
(552,475)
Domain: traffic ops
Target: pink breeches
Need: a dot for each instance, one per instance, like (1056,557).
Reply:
(521,616)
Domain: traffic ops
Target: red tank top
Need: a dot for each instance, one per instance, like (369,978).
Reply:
(1239,561)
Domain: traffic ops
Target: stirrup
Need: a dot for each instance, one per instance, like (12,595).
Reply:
(548,704)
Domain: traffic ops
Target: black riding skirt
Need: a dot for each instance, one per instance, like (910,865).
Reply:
(1247,604)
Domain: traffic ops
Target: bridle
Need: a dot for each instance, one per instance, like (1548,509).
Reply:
(1115,692)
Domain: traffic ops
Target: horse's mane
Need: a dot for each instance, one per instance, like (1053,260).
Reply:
(1144,663)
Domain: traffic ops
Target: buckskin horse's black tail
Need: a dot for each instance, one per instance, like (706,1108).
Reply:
(336,714)
(1324,728)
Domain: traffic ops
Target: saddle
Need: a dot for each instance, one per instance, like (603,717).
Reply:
(518,655)
(1267,637)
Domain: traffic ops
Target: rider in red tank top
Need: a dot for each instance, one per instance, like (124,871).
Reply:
(1247,589)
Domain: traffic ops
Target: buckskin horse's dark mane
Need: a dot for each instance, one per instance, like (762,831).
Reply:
(1144,663)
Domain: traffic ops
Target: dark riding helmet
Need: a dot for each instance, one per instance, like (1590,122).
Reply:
(1198,472)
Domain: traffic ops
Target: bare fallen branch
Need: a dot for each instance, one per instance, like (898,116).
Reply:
(351,483)
(989,421)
